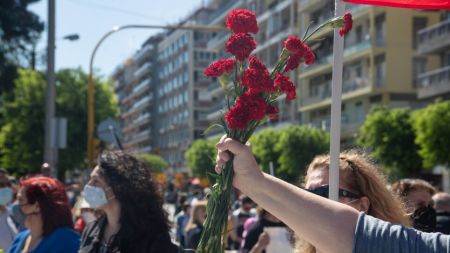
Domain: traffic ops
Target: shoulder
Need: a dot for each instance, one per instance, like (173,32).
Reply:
(18,241)
(372,234)
(64,238)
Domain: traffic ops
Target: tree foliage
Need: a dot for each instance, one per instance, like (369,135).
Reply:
(155,162)
(263,146)
(19,30)
(432,127)
(389,135)
(297,146)
(22,133)
(200,157)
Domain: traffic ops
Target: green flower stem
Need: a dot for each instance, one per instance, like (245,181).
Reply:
(333,23)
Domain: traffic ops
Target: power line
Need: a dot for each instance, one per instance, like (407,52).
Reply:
(113,9)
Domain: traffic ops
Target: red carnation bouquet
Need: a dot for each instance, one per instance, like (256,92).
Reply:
(251,99)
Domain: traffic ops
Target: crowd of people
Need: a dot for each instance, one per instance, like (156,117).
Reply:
(121,209)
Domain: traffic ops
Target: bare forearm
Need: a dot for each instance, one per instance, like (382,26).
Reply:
(311,217)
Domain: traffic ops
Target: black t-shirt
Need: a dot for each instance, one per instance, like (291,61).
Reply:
(255,230)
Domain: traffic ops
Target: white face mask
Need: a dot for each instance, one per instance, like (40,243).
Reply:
(88,217)
(6,195)
(95,196)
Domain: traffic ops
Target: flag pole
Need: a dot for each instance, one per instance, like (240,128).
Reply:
(336,92)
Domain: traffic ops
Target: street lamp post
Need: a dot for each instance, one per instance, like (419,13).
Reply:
(90,90)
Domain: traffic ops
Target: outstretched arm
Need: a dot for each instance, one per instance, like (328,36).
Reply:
(328,225)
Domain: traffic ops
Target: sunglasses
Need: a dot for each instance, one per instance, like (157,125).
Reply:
(324,189)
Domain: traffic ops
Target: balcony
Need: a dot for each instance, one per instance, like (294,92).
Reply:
(142,86)
(221,12)
(142,119)
(142,70)
(434,83)
(139,137)
(143,52)
(217,41)
(324,92)
(141,103)
(217,110)
(434,39)
(348,52)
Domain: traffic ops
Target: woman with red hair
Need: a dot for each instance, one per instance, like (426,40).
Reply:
(49,224)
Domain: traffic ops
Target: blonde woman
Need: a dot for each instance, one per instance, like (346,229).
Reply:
(361,186)
(194,227)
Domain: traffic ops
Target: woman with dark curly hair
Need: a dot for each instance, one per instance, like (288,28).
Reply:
(134,219)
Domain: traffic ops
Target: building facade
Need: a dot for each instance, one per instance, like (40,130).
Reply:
(136,82)
(433,81)
(381,63)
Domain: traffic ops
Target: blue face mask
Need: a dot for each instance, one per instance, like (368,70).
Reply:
(6,195)
(95,196)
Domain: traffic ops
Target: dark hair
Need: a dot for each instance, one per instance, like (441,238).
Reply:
(51,196)
(143,220)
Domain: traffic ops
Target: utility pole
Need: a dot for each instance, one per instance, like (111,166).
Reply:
(49,147)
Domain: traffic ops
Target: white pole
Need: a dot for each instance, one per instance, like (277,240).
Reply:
(336,92)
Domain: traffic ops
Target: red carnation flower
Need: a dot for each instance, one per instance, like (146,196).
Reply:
(237,117)
(285,85)
(240,45)
(272,112)
(256,63)
(257,80)
(220,67)
(295,45)
(242,21)
(309,57)
(348,24)
(255,105)
(293,62)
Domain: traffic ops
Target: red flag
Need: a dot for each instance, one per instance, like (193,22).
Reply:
(415,4)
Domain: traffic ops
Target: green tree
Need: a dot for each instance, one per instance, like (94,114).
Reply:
(22,130)
(22,134)
(432,127)
(200,158)
(263,146)
(297,146)
(19,30)
(155,162)
(389,135)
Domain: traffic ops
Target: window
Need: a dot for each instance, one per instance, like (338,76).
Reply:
(380,70)
(418,24)
(419,67)
(359,112)
(380,30)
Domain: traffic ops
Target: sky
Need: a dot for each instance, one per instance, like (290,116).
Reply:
(91,19)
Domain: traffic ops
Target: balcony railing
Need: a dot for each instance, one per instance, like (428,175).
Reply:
(434,83)
(141,102)
(217,41)
(222,10)
(435,38)
(142,85)
(348,51)
(142,70)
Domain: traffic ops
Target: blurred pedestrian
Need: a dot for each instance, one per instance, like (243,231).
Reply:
(48,220)
(194,227)
(8,229)
(134,220)
(417,195)
(441,201)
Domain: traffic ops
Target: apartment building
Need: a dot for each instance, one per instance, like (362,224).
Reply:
(433,80)
(381,63)
(182,90)
(135,86)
